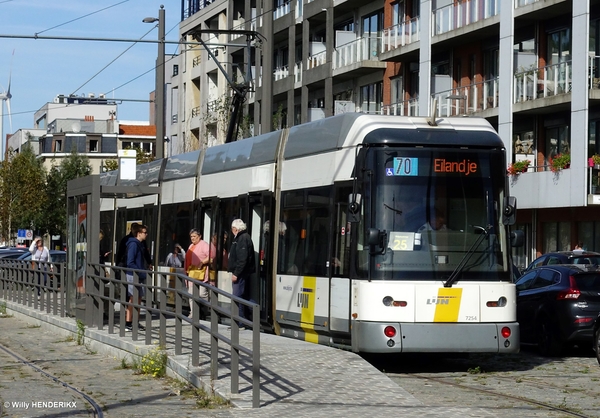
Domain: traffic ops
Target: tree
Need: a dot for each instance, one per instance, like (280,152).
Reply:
(22,192)
(72,167)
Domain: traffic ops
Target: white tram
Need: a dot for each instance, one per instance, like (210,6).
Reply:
(381,234)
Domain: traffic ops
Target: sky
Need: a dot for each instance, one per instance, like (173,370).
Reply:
(41,69)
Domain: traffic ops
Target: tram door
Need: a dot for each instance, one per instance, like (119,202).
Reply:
(256,211)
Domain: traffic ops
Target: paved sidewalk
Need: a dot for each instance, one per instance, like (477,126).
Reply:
(297,378)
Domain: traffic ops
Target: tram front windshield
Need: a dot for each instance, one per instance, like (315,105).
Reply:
(439,213)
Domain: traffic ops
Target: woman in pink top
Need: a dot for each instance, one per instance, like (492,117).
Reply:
(197,257)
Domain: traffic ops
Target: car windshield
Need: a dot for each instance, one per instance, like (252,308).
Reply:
(586,260)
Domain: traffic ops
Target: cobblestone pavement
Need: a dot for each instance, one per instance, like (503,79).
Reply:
(119,391)
(517,385)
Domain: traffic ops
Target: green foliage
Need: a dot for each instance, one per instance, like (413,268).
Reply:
(80,332)
(141,156)
(111,165)
(22,191)
(154,363)
(560,161)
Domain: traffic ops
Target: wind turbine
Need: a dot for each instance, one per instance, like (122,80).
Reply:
(5,97)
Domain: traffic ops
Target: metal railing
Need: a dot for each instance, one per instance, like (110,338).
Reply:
(316,59)
(361,49)
(22,282)
(405,108)
(105,294)
(468,99)
(401,34)
(455,16)
(520,3)
(282,10)
(542,82)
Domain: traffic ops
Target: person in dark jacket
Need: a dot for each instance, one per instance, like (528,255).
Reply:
(135,261)
(241,263)
(121,256)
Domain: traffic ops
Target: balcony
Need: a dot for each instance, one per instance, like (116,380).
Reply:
(452,17)
(542,82)
(316,60)
(282,10)
(408,107)
(281,72)
(401,34)
(362,49)
(473,98)
(298,73)
(520,3)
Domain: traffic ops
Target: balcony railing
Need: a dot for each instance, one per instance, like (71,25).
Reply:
(542,82)
(406,108)
(594,72)
(316,59)
(298,72)
(282,10)
(519,3)
(196,112)
(451,17)
(468,99)
(401,34)
(298,9)
(281,72)
(361,49)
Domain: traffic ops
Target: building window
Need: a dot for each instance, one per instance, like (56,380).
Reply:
(371,97)
(523,143)
(94,145)
(557,236)
(175,70)
(557,142)
(58,145)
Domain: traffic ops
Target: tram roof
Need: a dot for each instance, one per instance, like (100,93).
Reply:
(248,152)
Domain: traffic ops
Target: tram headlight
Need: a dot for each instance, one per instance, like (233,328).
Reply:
(388,300)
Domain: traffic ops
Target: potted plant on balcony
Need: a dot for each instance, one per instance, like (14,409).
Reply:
(595,161)
(518,167)
(559,162)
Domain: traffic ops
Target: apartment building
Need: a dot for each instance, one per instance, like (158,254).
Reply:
(530,67)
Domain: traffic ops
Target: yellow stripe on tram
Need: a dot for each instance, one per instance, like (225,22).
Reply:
(448,304)
(308,295)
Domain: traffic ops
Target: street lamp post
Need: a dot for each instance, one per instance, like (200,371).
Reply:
(159,91)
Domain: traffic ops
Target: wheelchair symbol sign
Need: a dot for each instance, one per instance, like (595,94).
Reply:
(389,171)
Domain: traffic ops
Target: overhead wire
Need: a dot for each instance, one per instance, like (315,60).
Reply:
(81,17)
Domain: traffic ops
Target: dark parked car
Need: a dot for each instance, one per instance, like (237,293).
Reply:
(557,306)
(13,252)
(565,257)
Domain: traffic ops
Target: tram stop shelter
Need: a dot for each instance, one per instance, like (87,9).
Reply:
(90,199)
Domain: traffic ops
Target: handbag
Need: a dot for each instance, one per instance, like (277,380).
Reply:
(197,273)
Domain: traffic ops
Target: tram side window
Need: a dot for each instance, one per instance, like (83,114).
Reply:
(341,233)
(305,245)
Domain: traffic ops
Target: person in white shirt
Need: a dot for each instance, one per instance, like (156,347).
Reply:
(40,256)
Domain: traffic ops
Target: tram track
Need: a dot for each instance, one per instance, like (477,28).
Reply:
(96,409)
(531,401)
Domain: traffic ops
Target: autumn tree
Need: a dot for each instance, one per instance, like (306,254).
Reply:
(22,192)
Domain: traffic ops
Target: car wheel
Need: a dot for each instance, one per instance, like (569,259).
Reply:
(548,340)
(597,344)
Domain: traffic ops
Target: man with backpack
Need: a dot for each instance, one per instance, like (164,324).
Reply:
(135,261)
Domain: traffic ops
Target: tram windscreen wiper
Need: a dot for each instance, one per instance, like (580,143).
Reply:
(484,234)
(398,211)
